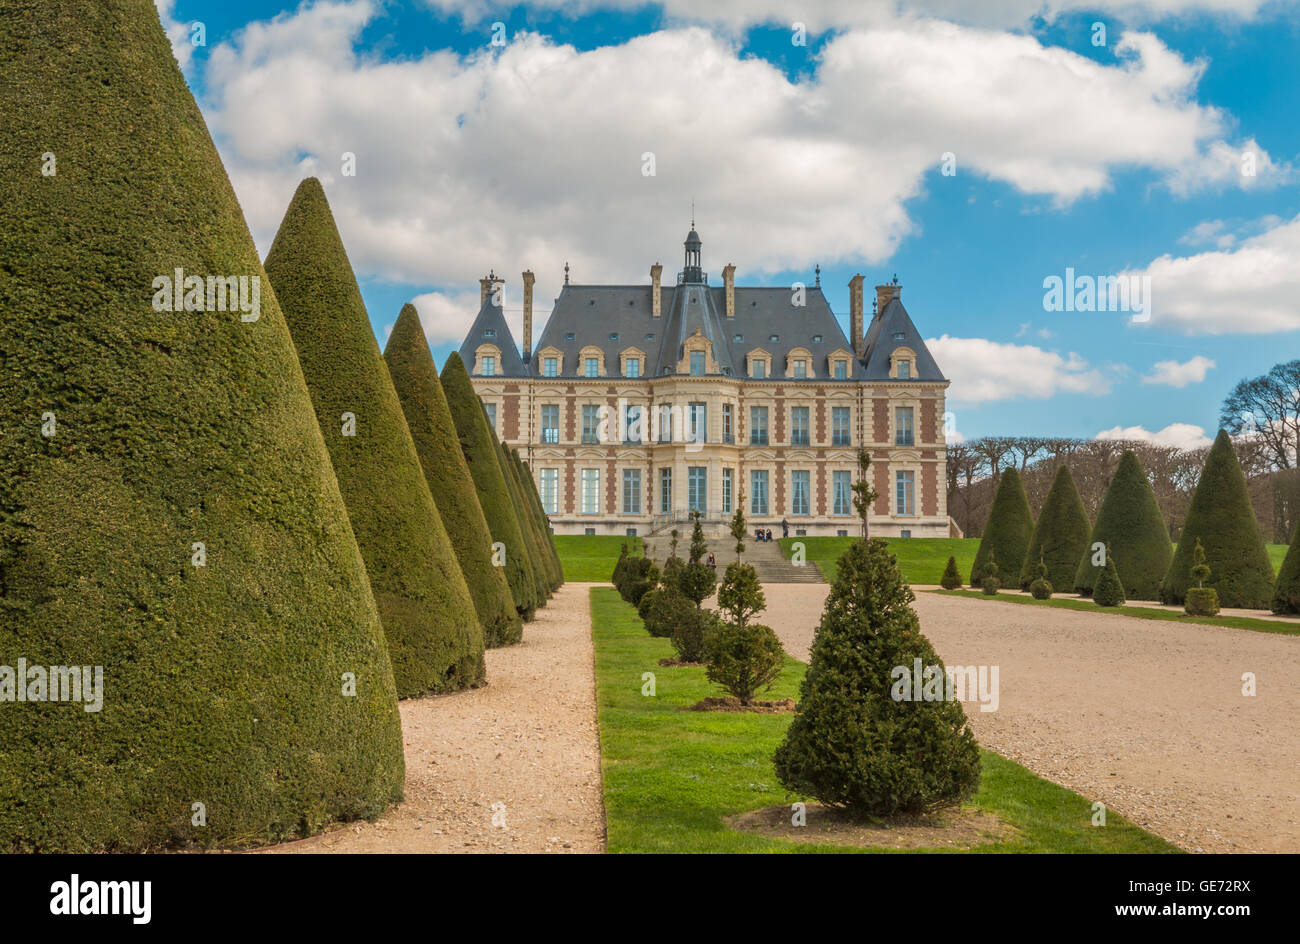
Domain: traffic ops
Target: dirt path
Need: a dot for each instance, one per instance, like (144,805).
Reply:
(527,740)
(1146,716)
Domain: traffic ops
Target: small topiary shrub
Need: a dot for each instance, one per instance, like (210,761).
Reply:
(640,576)
(1108,591)
(668,610)
(697,578)
(1041,587)
(620,568)
(647,601)
(693,636)
(854,743)
(990,583)
(744,659)
(1201,600)
(951,578)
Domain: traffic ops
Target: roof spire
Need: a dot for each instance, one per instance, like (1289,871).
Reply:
(566,273)
(692,213)
(818,270)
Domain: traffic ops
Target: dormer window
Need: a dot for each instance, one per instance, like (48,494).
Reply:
(487,366)
(591,366)
(486,358)
(800,369)
(817,339)
(904,370)
(489,332)
(903,363)
(570,336)
(899,336)
(550,367)
(632,367)
(697,363)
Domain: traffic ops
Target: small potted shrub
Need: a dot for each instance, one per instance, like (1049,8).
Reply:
(1201,600)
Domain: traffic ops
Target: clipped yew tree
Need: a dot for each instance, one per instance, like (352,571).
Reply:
(1130,524)
(1223,519)
(527,526)
(434,640)
(1060,536)
(168,513)
(857,741)
(546,560)
(1008,532)
(477,445)
(415,378)
(1286,592)
(1109,589)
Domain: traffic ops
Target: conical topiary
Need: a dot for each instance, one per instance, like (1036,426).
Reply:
(951,578)
(1060,536)
(1222,517)
(529,488)
(1131,525)
(532,540)
(1109,589)
(544,560)
(168,514)
(862,737)
(1007,534)
(434,640)
(477,446)
(1286,592)
(425,407)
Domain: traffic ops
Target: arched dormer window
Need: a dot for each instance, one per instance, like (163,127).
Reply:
(487,360)
(902,364)
(632,362)
(591,361)
(697,356)
(799,363)
(758,364)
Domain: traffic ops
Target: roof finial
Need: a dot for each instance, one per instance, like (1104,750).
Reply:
(566,273)
(692,213)
(818,269)
(895,278)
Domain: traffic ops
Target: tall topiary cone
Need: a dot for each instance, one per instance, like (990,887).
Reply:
(424,405)
(1060,536)
(1222,516)
(857,739)
(1007,534)
(140,443)
(434,640)
(1286,592)
(526,526)
(533,503)
(1130,524)
(477,446)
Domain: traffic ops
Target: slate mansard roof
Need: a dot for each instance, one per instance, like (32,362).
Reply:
(614,318)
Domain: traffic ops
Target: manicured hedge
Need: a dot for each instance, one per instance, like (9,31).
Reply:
(425,407)
(527,526)
(1007,534)
(434,640)
(1060,536)
(1222,517)
(222,683)
(1131,525)
(478,446)
(1286,592)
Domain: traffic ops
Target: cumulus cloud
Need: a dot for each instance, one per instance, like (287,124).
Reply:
(982,370)
(1174,374)
(532,155)
(1177,435)
(446,317)
(1250,288)
(178,33)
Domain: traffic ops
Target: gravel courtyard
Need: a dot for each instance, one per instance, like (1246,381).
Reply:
(1146,716)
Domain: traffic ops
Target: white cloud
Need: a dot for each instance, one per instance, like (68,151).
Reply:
(178,33)
(1177,435)
(1174,374)
(447,317)
(530,155)
(1248,289)
(982,370)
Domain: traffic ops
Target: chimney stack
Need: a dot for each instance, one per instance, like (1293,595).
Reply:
(656,271)
(729,284)
(528,314)
(486,286)
(886,292)
(855,313)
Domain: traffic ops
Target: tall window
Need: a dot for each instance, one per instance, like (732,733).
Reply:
(758,426)
(592,367)
(728,423)
(902,426)
(665,423)
(491,410)
(904,489)
(550,422)
(632,367)
(488,365)
(590,491)
(697,489)
(665,491)
(840,435)
(697,423)
(631,491)
(550,366)
(697,363)
(758,492)
(726,491)
(799,426)
(841,370)
(632,422)
(591,423)
(800,369)
(842,497)
(799,503)
(550,490)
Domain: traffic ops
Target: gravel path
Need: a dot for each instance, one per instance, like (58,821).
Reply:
(527,740)
(1146,716)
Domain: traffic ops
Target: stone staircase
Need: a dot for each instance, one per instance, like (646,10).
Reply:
(765,556)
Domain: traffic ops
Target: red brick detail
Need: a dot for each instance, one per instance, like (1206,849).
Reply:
(570,416)
(778,490)
(881,470)
(929,489)
(570,486)
(611,487)
(510,419)
(778,421)
(926,433)
(820,508)
(880,420)
(819,419)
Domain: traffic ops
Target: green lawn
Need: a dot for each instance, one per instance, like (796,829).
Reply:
(921,560)
(671,776)
(591,557)
(1141,612)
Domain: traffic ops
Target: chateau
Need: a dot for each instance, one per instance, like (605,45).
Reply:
(643,403)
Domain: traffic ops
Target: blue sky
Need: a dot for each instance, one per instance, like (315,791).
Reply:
(1104,159)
